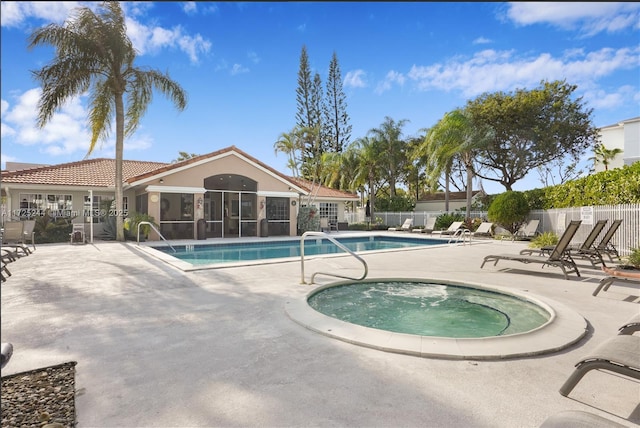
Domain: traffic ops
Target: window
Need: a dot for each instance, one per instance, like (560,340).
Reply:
(59,205)
(101,207)
(329,210)
(31,205)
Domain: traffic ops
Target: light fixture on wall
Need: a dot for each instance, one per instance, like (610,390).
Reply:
(161,180)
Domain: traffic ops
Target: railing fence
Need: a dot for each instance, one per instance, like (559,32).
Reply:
(627,236)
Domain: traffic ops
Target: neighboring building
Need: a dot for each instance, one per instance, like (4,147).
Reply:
(623,135)
(230,190)
(435,201)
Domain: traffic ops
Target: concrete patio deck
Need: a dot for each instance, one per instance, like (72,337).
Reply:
(159,347)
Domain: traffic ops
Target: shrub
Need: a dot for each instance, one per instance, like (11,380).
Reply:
(509,210)
(546,239)
(444,220)
(633,259)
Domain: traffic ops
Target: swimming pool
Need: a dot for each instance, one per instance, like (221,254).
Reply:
(273,250)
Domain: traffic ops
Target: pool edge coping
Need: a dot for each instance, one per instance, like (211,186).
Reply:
(565,328)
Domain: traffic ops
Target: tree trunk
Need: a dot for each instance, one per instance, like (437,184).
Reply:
(119,156)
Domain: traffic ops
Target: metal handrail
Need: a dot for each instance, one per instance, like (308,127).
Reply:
(460,233)
(157,231)
(324,235)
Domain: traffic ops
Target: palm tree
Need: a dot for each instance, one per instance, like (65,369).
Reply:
(392,147)
(290,144)
(604,155)
(369,167)
(455,136)
(93,53)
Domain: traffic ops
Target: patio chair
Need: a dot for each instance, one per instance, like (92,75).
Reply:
(613,275)
(605,246)
(630,326)
(620,354)
(485,229)
(406,226)
(13,237)
(578,419)
(29,234)
(528,230)
(586,250)
(4,271)
(450,230)
(429,225)
(326,225)
(77,234)
(559,257)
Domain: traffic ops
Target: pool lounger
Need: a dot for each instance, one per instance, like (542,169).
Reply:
(619,354)
(578,419)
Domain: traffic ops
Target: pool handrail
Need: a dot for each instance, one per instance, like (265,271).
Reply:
(157,231)
(341,246)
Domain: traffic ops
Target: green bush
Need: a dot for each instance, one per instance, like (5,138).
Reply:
(444,220)
(633,259)
(546,239)
(49,229)
(509,210)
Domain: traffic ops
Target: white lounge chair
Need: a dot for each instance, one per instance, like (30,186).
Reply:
(406,226)
(429,225)
(450,230)
(485,229)
(528,230)
(77,234)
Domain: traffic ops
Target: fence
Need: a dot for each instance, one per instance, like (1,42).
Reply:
(627,236)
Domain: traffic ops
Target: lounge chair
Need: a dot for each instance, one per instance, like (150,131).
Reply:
(613,275)
(406,226)
(619,354)
(586,250)
(429,225)
(450,230)
(528,230)
(485,229)
(13,237)
(578,419)
(630,326)
(29,233)
(559,257)
(605,246)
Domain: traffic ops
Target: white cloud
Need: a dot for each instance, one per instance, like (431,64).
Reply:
(392,77)
(190,7)
(489,70)
(482,41)
(355,79)
(253,57)
(601,100)
(588,18)
(152,39)
(64,133)
(15,13)
(238,69)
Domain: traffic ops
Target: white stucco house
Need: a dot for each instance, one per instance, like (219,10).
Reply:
(233,193)
(624,135)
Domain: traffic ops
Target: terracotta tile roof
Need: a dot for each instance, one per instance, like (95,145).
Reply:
(324,192)
(91,173)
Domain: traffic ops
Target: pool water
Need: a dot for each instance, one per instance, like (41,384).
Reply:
(252,251)
(429,309)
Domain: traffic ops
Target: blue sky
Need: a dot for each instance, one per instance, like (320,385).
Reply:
(238,62)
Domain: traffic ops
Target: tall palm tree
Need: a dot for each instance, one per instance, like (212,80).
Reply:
(392,147)
(455,135)
(369,167)
(93,53)
(604,155)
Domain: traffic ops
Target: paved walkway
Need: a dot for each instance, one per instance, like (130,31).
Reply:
(159,347)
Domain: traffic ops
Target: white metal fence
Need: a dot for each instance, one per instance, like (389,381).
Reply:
(627,236)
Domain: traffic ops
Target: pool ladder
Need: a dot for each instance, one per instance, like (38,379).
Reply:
(156,230)
(341,246)
(460,235)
